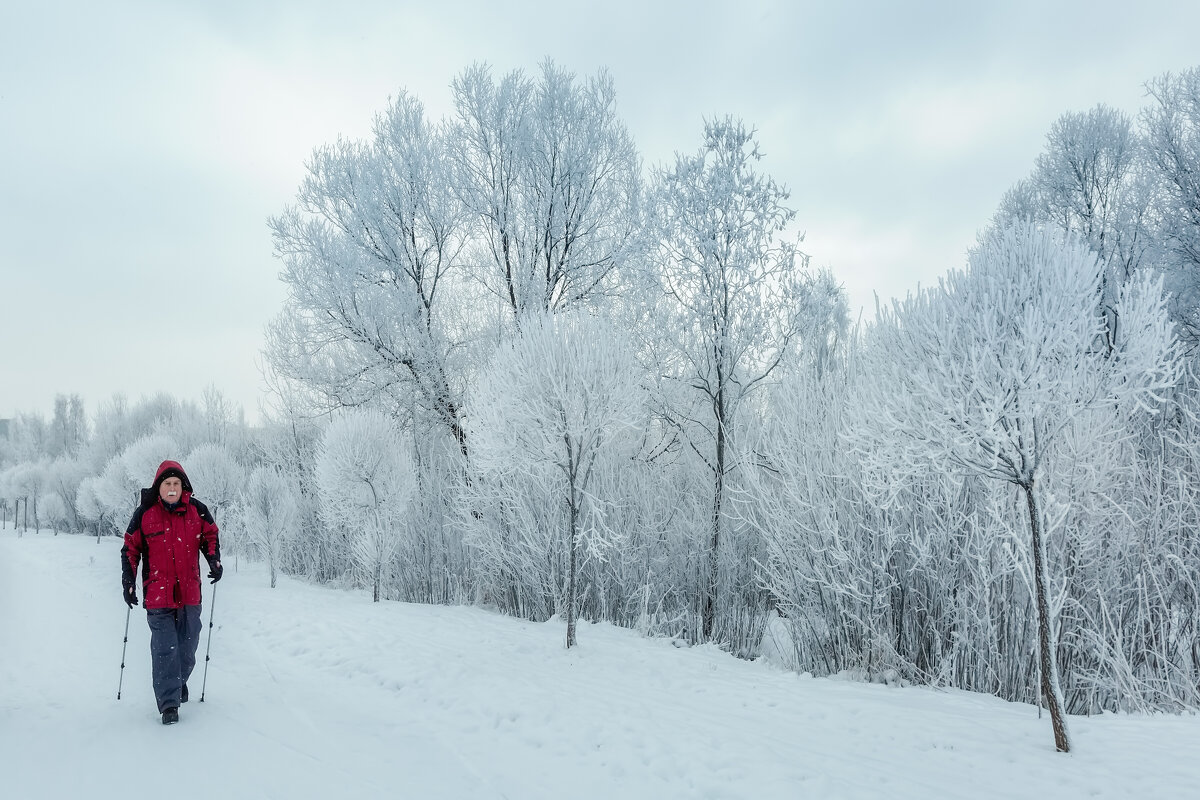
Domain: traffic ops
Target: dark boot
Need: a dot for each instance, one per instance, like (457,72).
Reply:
(170,716)
(183,694)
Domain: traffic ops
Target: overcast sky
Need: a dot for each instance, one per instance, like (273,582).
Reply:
(144,143)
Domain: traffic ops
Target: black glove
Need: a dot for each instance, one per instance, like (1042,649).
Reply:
(215,570)
(130,594)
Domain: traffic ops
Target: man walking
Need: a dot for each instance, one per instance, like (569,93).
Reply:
(167,535)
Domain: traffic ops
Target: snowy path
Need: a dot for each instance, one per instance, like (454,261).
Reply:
(319,693)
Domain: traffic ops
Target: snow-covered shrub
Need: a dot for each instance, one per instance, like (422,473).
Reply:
(365,479)
(268,514)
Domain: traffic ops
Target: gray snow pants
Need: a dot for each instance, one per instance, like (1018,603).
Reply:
(174,637)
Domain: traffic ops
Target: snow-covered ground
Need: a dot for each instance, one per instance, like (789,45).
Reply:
(318,693)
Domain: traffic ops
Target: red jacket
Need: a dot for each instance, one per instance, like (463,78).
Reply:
(168,543)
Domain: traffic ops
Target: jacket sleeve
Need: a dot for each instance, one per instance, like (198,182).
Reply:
(131,551)
(210,542)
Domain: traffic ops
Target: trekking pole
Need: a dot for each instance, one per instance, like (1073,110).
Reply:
(212,604)
(125,644)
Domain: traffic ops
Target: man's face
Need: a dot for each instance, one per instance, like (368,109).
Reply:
(171,490)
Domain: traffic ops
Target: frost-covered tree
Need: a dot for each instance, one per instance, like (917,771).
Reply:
(1091,180)
(1172,132)
(28,439)
(118,487)
(733,295)
(90,509)
(215,475)
(63,476)
(991,372)
(290,439)
(224,421)
(368,252)
(826,551)
(268,514)
(115,493)
(548,410)
(68,428)
(551,178)
(111,433)
(365,481)
(30,481)
(12,487)
(142,459)
(55,513)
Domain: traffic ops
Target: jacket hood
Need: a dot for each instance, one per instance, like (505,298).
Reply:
(167,469)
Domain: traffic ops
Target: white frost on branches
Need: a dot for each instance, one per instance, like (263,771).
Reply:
(560,404)
(989,374)
(365,480)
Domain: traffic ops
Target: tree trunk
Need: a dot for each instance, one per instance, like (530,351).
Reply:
(709,609)
(456,429)
(574,515)
(1051,687)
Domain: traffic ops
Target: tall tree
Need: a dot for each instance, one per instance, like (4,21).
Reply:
(551,178)
(1091,180)
(734,293)
(1172,130)
(68,428)
(368,252)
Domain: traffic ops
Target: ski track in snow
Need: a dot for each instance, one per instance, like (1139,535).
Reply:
(314,692)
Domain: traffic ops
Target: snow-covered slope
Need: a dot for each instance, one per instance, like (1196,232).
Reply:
(318,693)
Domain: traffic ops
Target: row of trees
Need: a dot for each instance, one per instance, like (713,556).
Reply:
(515,370)
(416,260)
(62,474)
